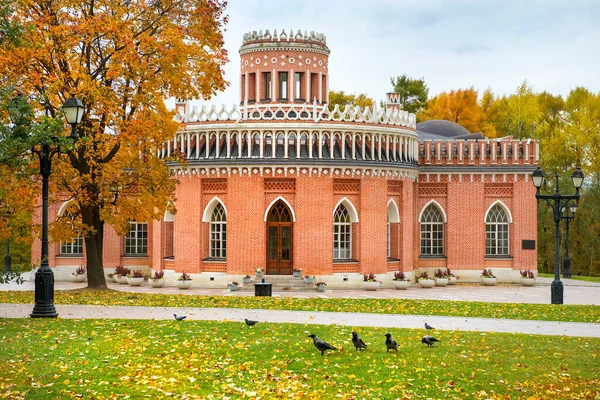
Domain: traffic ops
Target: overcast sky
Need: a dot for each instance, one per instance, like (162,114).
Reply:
(554,45)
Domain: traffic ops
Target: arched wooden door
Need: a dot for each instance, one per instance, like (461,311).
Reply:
(280,229)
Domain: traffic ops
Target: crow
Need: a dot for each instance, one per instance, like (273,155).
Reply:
(429,340)
(427,326)
(321,345)
(390,343)
(179,317)
(358,342)
(250,322)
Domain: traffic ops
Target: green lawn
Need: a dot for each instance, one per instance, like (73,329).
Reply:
(577,278)
(55,359)
(547,312)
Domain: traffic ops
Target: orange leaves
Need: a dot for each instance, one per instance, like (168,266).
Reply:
(122,60)
(458,106)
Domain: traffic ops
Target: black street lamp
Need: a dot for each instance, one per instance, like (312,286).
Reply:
(568,215)
(559,203)
(44,277)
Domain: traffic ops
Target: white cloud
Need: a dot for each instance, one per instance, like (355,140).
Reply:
(452,44)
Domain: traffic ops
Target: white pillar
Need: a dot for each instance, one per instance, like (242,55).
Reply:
(308,87)
(291,86)
(320,88)
(246,89)
(257,91)
(274,84)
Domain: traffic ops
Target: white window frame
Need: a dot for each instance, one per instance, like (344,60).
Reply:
(218,232)
(71,247)
(342,226)
(432,232)
(136,239)
(497,232)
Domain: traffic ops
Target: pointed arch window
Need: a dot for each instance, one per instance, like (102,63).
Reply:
(342,234)
(218,232)
(496,232)
(432,231)
(389,247)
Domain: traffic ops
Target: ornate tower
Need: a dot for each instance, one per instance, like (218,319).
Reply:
(284,68)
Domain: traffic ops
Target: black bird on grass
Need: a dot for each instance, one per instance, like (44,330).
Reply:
(179,317)
(250,322)
(358,342)
(429,340)
(427,326)
(390,343)
(321,345)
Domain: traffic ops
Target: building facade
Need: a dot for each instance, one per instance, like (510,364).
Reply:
(282,182)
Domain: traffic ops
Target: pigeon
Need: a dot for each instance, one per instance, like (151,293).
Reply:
(179,317)
(250,322)
(358,342)
(321,345)
(427,326)
(429,340)
(390,343)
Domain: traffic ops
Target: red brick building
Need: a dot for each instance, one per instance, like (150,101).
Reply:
(281,182)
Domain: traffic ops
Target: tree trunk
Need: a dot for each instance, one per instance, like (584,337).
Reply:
(93,247)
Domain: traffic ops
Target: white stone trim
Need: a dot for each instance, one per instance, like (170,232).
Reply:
(286,203)
(506,209)
(348,204)
(393,213)
(206,216)
(63,208)
(438,205)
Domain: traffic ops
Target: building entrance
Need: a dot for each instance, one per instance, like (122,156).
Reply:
(280,229)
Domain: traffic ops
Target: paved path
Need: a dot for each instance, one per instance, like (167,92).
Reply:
(575,292)
(315,317)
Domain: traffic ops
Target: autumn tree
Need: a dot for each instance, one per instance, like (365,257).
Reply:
(412,92)
(122,59)
(344,99)
(459,106)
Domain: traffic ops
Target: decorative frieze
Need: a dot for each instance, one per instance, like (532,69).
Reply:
(433,190)
(278,185)
(496,190)
(214,185)
(346,186)
(394,187)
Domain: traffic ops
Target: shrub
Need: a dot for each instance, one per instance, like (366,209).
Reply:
(122,271)
(399,276)
(369,278)
(320,283)
(448,273)
(80,270)
(184,277)
(439,273)
(159,274)
(424,276)
(136,274)
(527,274)
(487,273)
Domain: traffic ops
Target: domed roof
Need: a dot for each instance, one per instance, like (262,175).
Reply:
(439,127)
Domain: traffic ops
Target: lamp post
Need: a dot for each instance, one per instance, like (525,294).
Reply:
(44,277)
(568,215)
(558,202)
